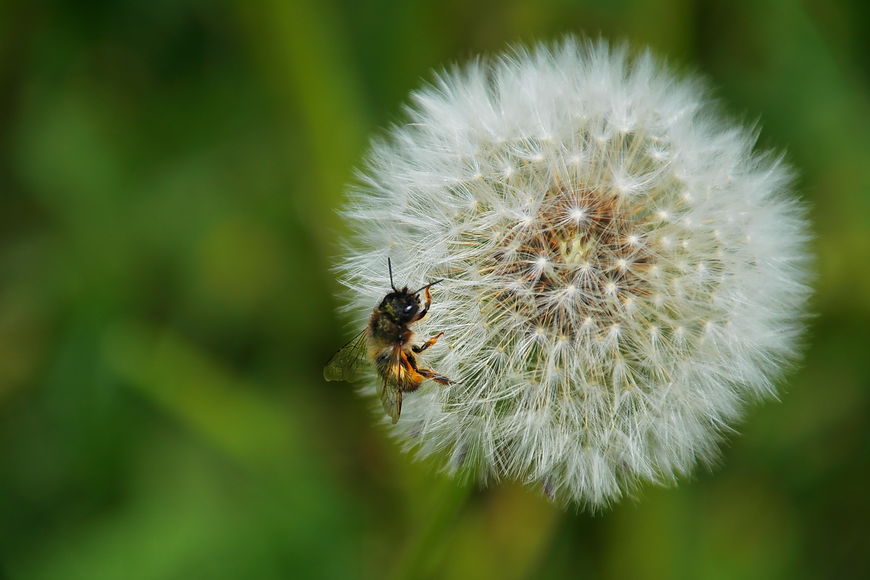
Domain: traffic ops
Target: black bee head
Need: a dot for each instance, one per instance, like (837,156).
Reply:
(401,306)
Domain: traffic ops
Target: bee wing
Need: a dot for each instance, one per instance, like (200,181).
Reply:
(345,364)
(391,397)
(389,392)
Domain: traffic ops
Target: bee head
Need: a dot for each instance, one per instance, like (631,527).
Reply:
(402,305)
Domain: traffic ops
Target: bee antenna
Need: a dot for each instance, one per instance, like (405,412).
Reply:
(390,268)
(428,285)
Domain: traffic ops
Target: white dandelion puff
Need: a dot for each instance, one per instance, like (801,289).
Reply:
(622,272)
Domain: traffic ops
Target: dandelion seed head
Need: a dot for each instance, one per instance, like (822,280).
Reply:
(617,261)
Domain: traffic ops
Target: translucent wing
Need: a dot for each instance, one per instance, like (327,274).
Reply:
(391,397)
(345,364)
(389,392)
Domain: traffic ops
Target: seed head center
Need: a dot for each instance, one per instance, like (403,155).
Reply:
(584,249)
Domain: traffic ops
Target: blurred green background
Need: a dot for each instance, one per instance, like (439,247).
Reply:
(170,171)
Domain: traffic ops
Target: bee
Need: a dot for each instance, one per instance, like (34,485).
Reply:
(388,342)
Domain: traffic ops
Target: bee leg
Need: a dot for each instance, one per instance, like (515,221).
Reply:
(414,378)
(426,304)
(428,373)
(427,344)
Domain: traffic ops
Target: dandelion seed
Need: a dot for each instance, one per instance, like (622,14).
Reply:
(615,268)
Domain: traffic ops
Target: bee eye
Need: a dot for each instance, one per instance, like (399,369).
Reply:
(409,308)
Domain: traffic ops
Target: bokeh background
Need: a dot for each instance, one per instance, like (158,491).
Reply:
(169,175)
